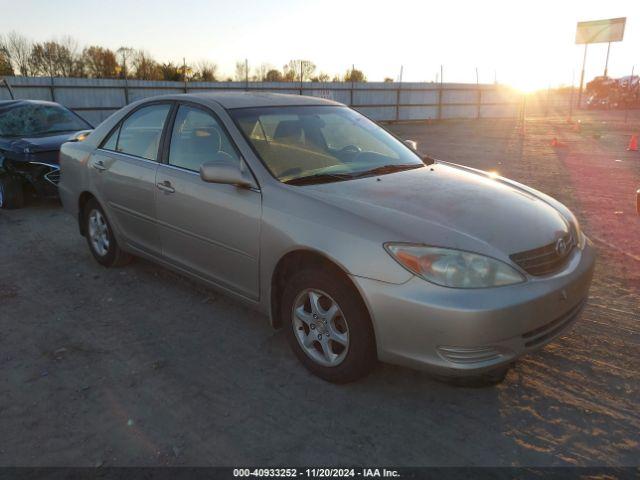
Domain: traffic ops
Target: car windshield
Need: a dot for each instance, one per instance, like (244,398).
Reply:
(33,120)
(322,143)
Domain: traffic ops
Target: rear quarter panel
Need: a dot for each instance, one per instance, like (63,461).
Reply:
(73,174)
(74,156)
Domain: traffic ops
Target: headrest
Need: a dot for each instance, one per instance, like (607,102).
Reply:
(207,139)
(288,128)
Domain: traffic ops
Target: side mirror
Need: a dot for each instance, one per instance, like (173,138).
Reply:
(226,173)
(412,144)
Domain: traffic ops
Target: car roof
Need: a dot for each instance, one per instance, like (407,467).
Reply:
(231,100)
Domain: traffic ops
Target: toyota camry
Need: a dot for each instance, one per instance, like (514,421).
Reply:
(348,239)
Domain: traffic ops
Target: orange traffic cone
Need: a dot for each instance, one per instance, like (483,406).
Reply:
(633,144)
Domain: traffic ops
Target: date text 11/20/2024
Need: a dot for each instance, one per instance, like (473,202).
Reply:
(315,472)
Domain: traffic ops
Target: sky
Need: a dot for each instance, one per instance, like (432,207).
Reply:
(528,44)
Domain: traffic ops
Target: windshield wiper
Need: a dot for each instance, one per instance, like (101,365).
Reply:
(389,169)
(320,178)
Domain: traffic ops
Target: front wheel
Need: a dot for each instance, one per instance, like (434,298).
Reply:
(328,326)
(100,238)
(11,192)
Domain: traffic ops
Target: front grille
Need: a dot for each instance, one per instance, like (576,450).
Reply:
(553,328)
(545,260)
(53,176)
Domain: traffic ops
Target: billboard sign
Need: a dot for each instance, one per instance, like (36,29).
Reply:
(601,31)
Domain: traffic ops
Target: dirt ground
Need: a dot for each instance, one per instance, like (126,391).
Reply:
(139,366)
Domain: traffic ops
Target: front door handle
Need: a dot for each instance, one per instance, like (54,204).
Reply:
(99,165)
(165,186)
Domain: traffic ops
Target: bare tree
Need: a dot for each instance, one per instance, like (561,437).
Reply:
(171,72)
(144,67)
(273,75)
(241,71)
(290,74)
(301,70)
(17,49)
(40,60)
(261,72)
(5,65)
(206,71)
(321,77)
(354,75)
(125,55)
(55,58)
(100,62)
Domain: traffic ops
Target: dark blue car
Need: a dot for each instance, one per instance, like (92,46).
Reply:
(31,133)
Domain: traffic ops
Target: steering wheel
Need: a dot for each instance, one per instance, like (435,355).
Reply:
(351,149)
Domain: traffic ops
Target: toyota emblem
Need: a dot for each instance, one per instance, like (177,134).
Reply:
(561,247)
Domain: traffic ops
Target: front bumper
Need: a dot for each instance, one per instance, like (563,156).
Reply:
(459,332)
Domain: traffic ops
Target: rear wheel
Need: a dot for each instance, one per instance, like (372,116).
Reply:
(100,238)
(328,326)
(11,192)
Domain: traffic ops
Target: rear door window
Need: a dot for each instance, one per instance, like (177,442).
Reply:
(140,133)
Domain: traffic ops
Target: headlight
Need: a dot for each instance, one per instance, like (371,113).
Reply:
(80,136)
(453,268)
(579,237)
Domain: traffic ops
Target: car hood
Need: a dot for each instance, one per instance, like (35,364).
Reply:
(22,148)
(444,205)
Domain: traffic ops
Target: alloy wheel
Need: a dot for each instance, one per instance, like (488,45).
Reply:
(99,232)
(320,327)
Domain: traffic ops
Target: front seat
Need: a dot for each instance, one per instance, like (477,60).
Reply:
(204,145)
(289,130)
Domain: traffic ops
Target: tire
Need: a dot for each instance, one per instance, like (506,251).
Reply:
(99,234)
(350,326)
(11,192)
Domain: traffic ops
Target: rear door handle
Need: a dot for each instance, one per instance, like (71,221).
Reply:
(165,186)
(99,165)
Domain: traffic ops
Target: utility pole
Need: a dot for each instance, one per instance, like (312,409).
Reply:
(479,95)
(440,93)
(398,94)
(125,52)
(246,73)
(184,73)
(301,75)
(606,63)
(584,61)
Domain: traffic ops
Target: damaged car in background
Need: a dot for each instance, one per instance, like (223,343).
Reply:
(31,133)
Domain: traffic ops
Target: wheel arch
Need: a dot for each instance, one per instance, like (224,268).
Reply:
(294,261)
(84,197)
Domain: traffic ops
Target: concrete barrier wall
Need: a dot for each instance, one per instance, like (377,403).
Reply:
(96,99)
